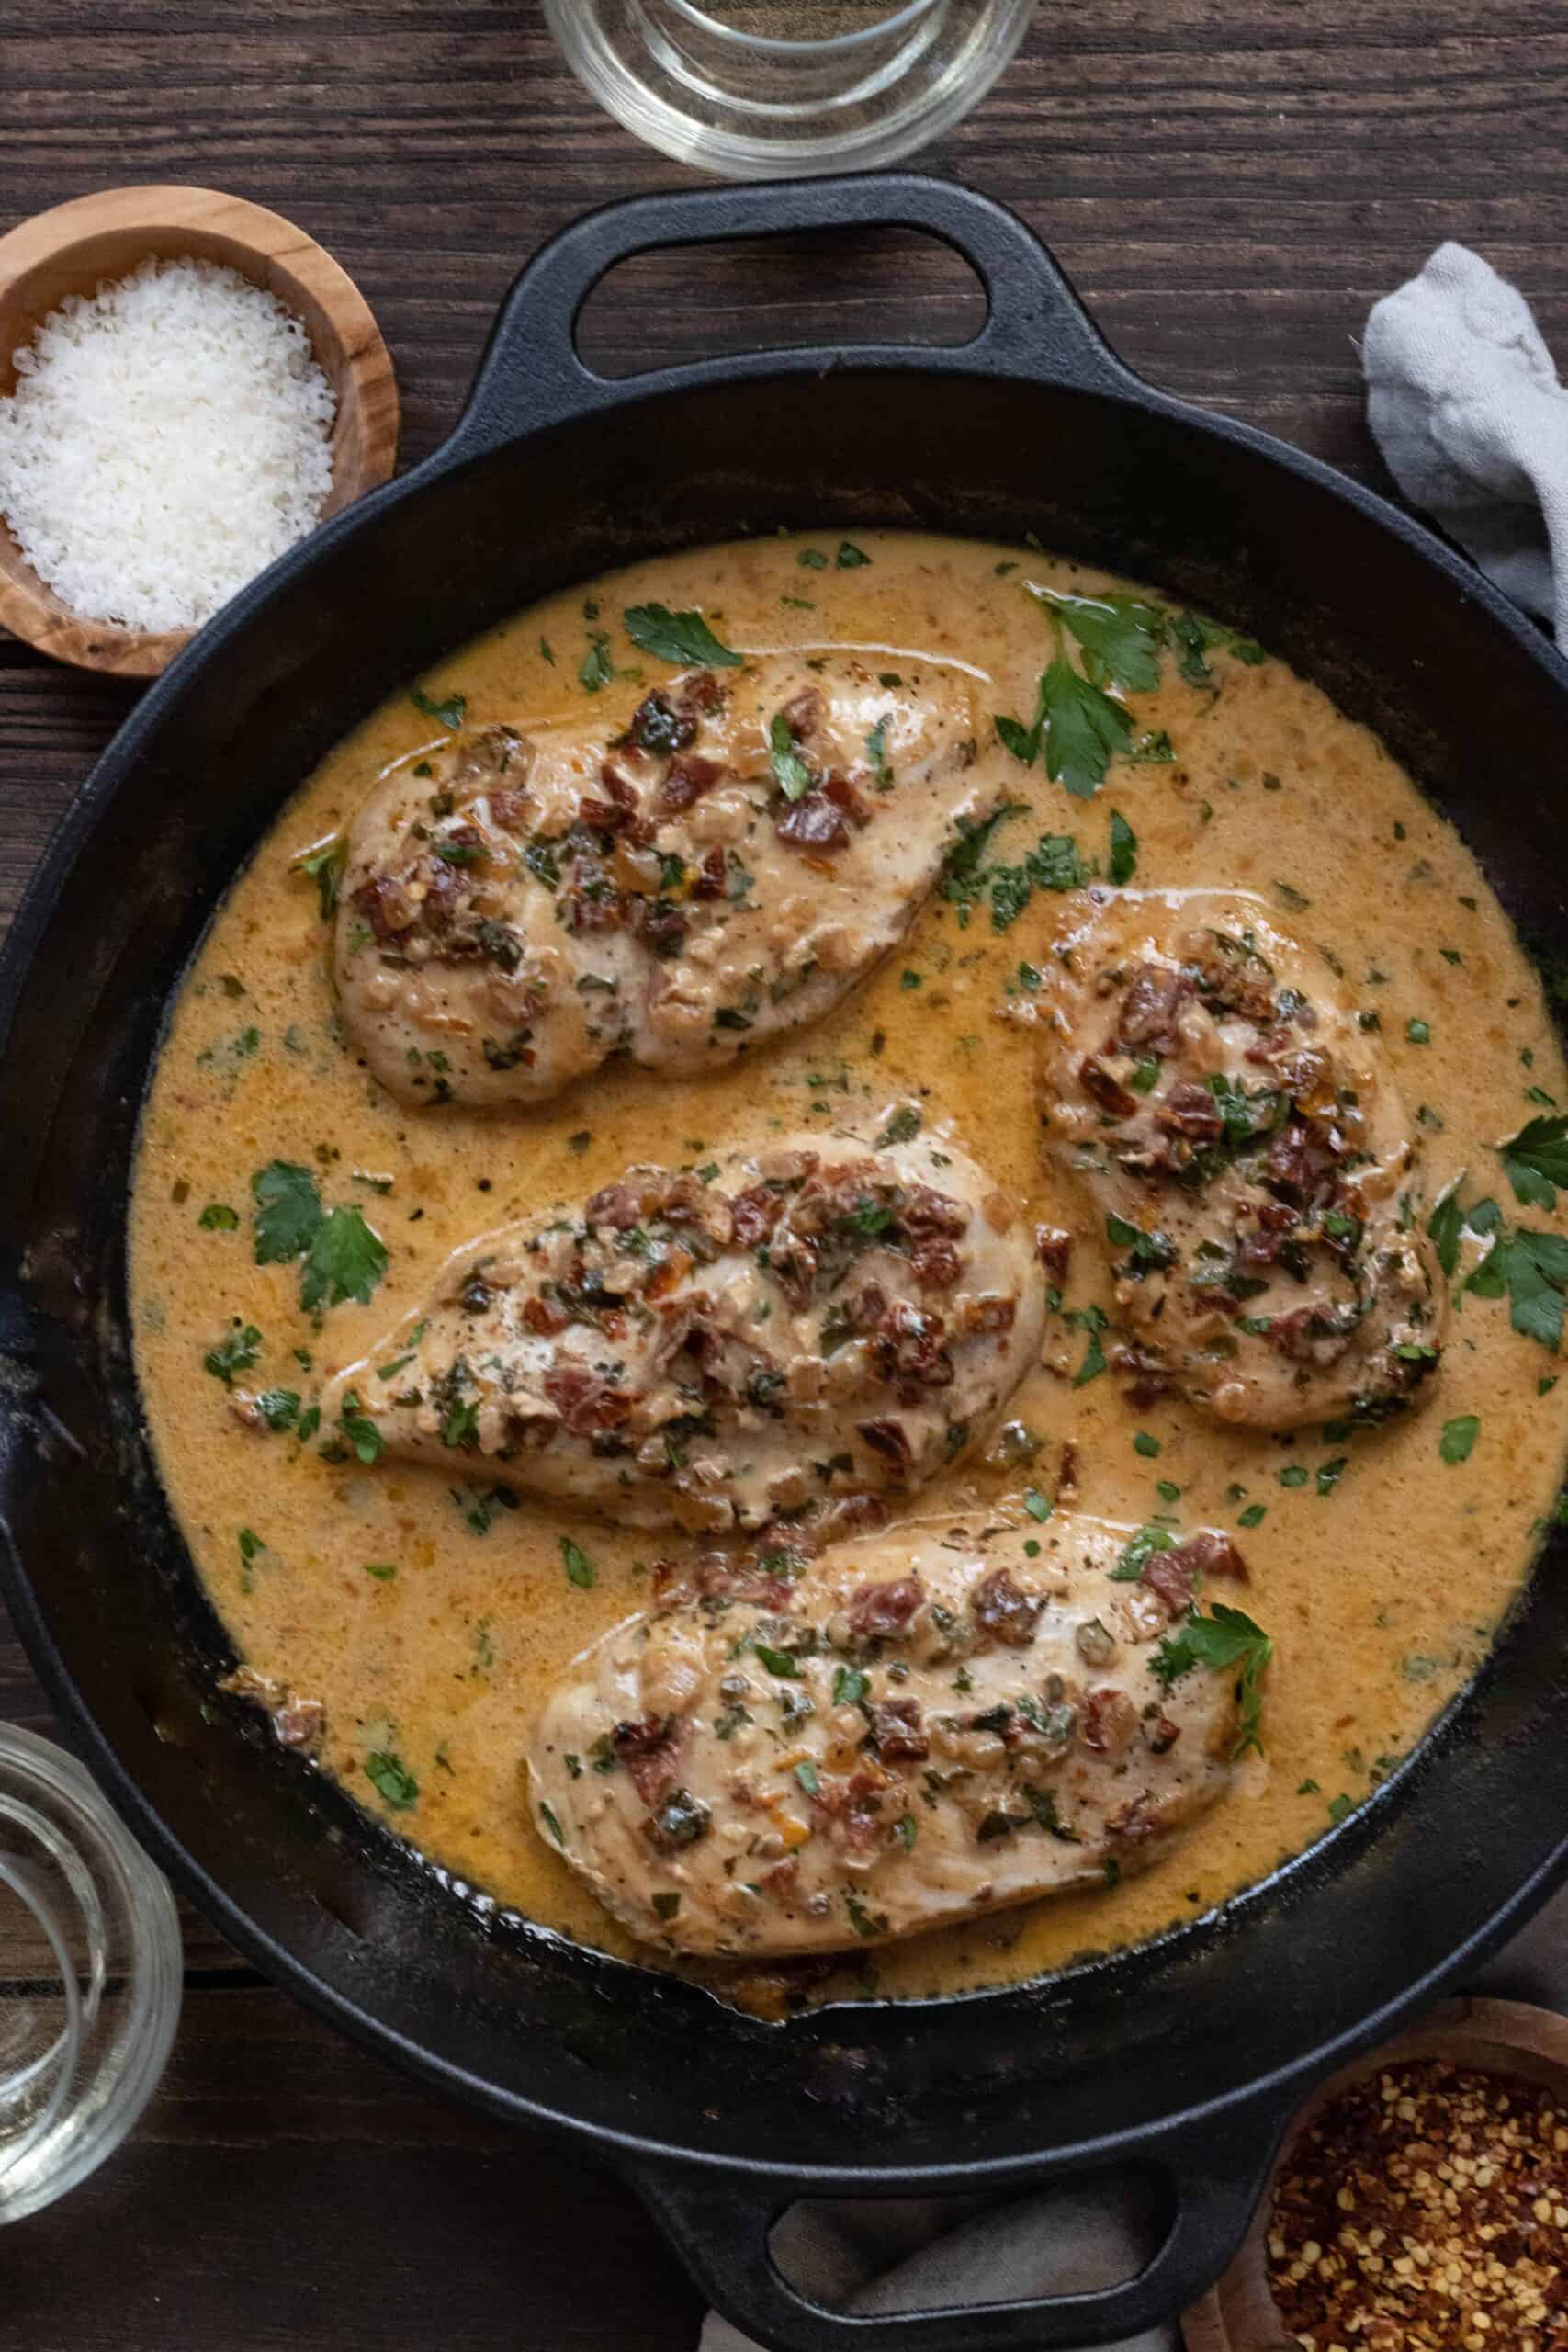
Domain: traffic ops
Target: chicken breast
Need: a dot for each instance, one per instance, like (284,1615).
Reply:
(818,1319)
(936,1722)
(519,905)
(1237,1127)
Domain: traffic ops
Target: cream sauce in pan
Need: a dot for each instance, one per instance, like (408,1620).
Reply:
(431,1621)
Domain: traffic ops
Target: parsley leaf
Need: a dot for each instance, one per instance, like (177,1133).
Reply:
(580,1569)
(1445,1225)
(681,638)
(1083,729)
(450,711)
(1121,636)
(236,1352)
(394,1783)
(324,862)
(596,669)
(346,1259)
(1124,849)
(359,1431)
(1093,1362)
(1458,1437)
(1142,1546)
(288,1210)
(1226,1638)
(962,881)
(876,752)
(1537,1273)
(902,1128)
(1536,1161)
(790,771)
(850,557)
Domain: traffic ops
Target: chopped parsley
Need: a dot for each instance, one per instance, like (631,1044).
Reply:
(1124,849)
(394,1783)
(359,1431)
(447,710)
(683,638)
(236,1352)
(1536,1161)
(902,1128)
(580,1569)
(288,1210)
(1225,1639)
(1458,1437)
(324,864)
(790,771)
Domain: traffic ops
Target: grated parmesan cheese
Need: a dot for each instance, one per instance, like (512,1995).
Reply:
(168,437)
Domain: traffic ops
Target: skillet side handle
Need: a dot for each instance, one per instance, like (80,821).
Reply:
(531,375)
(720,2229)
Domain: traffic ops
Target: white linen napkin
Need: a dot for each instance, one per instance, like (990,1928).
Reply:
(1464,403)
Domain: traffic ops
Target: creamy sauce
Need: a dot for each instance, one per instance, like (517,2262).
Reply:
(1380,1583)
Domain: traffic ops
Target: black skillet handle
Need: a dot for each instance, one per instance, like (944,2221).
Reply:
(531,375)
(720,2229)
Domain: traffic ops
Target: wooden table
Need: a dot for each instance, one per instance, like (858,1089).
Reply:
(1231,185)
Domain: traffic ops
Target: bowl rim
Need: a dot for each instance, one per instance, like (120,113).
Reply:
(1238,2314)
(311,282)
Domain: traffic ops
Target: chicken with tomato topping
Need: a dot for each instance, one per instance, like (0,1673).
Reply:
(1234,1120)
(675,884)
(786,1758)
(816,1319)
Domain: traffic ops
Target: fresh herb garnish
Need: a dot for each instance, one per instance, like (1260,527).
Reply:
(790,771)
(235,1352)
(346,1259)
(1119,635)
(324,862)
(1124,849)
(288,1210)
(1140,1548)
(359,1431)
(580,1569)
(447,710)
(902,1128)
(1536,1161)
(683,638)
(1225,1639)
(218,1217)
(1458,1437)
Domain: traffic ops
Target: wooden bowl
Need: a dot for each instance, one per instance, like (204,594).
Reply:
(1492,2037)
(72,249)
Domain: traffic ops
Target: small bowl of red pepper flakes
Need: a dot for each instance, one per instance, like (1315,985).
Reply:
(1419,2202)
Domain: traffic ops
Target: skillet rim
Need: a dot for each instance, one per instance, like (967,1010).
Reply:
(1118,385)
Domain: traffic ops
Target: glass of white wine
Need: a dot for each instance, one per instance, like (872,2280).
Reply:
(758,89)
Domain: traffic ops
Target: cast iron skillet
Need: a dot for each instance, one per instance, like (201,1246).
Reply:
(1184,2056)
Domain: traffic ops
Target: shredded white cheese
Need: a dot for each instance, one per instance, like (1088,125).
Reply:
(168,437)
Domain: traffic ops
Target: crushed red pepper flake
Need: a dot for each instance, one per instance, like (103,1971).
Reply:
(1426,2210)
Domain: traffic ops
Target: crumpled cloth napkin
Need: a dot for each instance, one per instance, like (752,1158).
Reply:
(1464,403)
(932,2254)
(1463,400)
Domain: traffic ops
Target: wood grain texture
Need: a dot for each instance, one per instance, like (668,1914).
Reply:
(1230,183)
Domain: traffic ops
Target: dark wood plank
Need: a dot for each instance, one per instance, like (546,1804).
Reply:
(1230,187)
